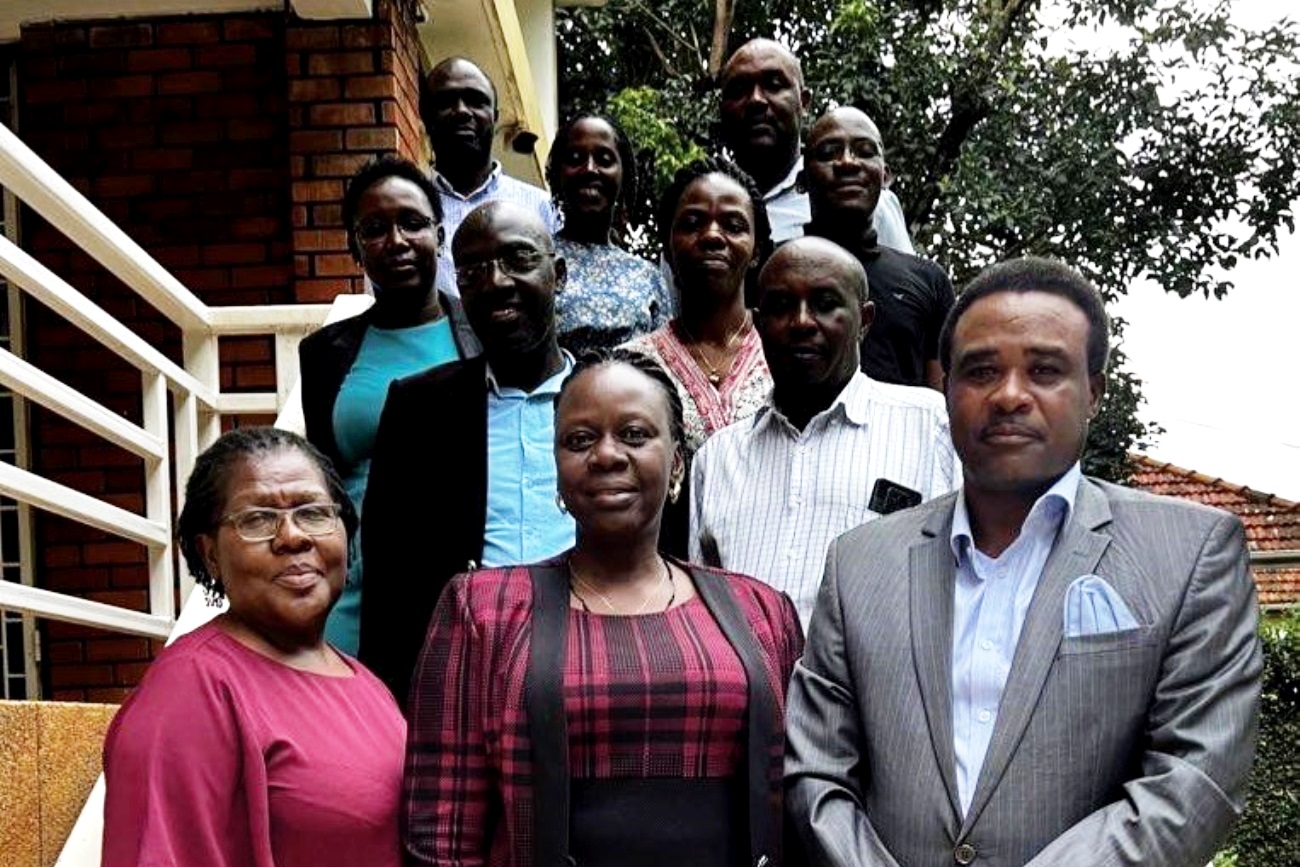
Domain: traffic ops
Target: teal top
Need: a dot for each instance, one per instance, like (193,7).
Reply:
(386,354)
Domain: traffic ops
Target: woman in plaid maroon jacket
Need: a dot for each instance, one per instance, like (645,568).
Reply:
(612,706)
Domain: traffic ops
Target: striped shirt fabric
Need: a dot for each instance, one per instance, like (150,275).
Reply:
(767,499)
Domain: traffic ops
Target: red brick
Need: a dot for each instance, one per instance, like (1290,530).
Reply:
(91,63)
(367,36)
(129,673)
(342,114)
(78,695)
(121,36)
(370,87)
(117,650)
(374,138)
(125,137)
(128,577)
(317,191)
(313,90)
(252,128)
(55,91)
(235,29)
(338,165)
(247,351)
(93,113)
(114,552)
(298,216)
(45,36)
(191,132)
(253,179)
(79,578)
(122,87)
(253,228)
(158,59)
(59,556)
(311,38)
(188,32)
(62,676)
(389,112)
(200,81)
(321,291)
(297,166)
(255,377)
(316,140)
(341,63)
(162,209)
(233,254)
(334,265)
(136,600)
(327,215)
(226,105)
(128,185)
(203,280)
(109,694)
(162,159)
(225,55)
(64,651)
(311,240)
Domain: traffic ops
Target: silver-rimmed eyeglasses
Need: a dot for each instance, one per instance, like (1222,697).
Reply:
(513,262)
(262,524)
(375,229)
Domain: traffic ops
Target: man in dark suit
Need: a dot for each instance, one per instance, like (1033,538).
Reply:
(463,472)
(1041,668)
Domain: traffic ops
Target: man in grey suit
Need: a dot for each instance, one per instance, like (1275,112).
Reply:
(1040,668)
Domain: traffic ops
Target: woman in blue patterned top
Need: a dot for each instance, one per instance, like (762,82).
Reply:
(611,295)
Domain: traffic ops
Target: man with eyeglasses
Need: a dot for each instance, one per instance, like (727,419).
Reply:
(761,109)
(844,172)
(458,105)
(463,473)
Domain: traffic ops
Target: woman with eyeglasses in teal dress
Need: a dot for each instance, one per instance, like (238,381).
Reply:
(394,225)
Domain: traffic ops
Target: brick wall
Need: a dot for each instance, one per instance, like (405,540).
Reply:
(221,144)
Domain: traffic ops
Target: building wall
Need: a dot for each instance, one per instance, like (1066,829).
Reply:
(221,144)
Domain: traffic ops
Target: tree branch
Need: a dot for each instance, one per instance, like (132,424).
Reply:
(723,13)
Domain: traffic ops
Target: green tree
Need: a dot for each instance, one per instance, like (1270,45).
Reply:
(1165,149)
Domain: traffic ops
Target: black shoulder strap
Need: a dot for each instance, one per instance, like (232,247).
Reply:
(547,725)
(764,827)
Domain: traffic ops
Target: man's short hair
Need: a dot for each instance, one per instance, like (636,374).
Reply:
(1035,274)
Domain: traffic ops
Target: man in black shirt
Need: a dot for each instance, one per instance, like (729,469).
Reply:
(844,171)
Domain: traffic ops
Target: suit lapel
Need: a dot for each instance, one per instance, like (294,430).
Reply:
(1076,552)
(931,576)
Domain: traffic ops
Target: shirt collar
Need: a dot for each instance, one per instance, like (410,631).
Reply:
(787,182)
(1060,496)
(850,399)
(548,387)
(444,186)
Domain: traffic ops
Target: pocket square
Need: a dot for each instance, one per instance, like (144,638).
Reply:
(1093,607)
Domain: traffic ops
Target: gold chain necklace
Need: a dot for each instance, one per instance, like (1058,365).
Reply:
(666,578)
(696,349)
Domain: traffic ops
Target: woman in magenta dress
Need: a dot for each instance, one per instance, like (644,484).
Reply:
(252,741)
(613,706)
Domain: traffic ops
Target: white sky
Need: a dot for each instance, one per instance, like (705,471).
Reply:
(1223,377)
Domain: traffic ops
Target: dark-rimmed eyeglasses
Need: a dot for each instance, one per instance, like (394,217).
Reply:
(375,229)
(262,524)
(515,262)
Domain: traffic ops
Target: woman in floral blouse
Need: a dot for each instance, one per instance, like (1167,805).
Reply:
(611,295)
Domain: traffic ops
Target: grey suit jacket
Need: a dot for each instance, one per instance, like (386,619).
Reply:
(1129,748)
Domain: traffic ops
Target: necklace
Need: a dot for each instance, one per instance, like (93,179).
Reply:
(696,348)
(666,578)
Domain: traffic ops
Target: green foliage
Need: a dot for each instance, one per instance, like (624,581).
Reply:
(1266,835)
(1168,154)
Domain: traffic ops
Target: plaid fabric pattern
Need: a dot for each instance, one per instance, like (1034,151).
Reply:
(468,788)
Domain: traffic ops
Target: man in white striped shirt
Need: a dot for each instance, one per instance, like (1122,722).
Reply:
(833,449)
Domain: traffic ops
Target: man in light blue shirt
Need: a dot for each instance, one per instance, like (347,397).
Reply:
(463,472)
(1040,669)
(458,105)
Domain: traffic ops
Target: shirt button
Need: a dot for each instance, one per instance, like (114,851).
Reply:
(987,644)
(964,854)
(985,716)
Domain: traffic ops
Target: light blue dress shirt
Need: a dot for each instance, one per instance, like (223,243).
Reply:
(524,523)
(990,600)
(498,187)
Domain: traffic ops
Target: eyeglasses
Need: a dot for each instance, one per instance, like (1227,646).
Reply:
(374,229)
(259,525)
(860,149)
(515,262)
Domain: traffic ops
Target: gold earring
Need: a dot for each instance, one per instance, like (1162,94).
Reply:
(560,504)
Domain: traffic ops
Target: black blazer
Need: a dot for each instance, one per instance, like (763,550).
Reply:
(424,513)
(325,357)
